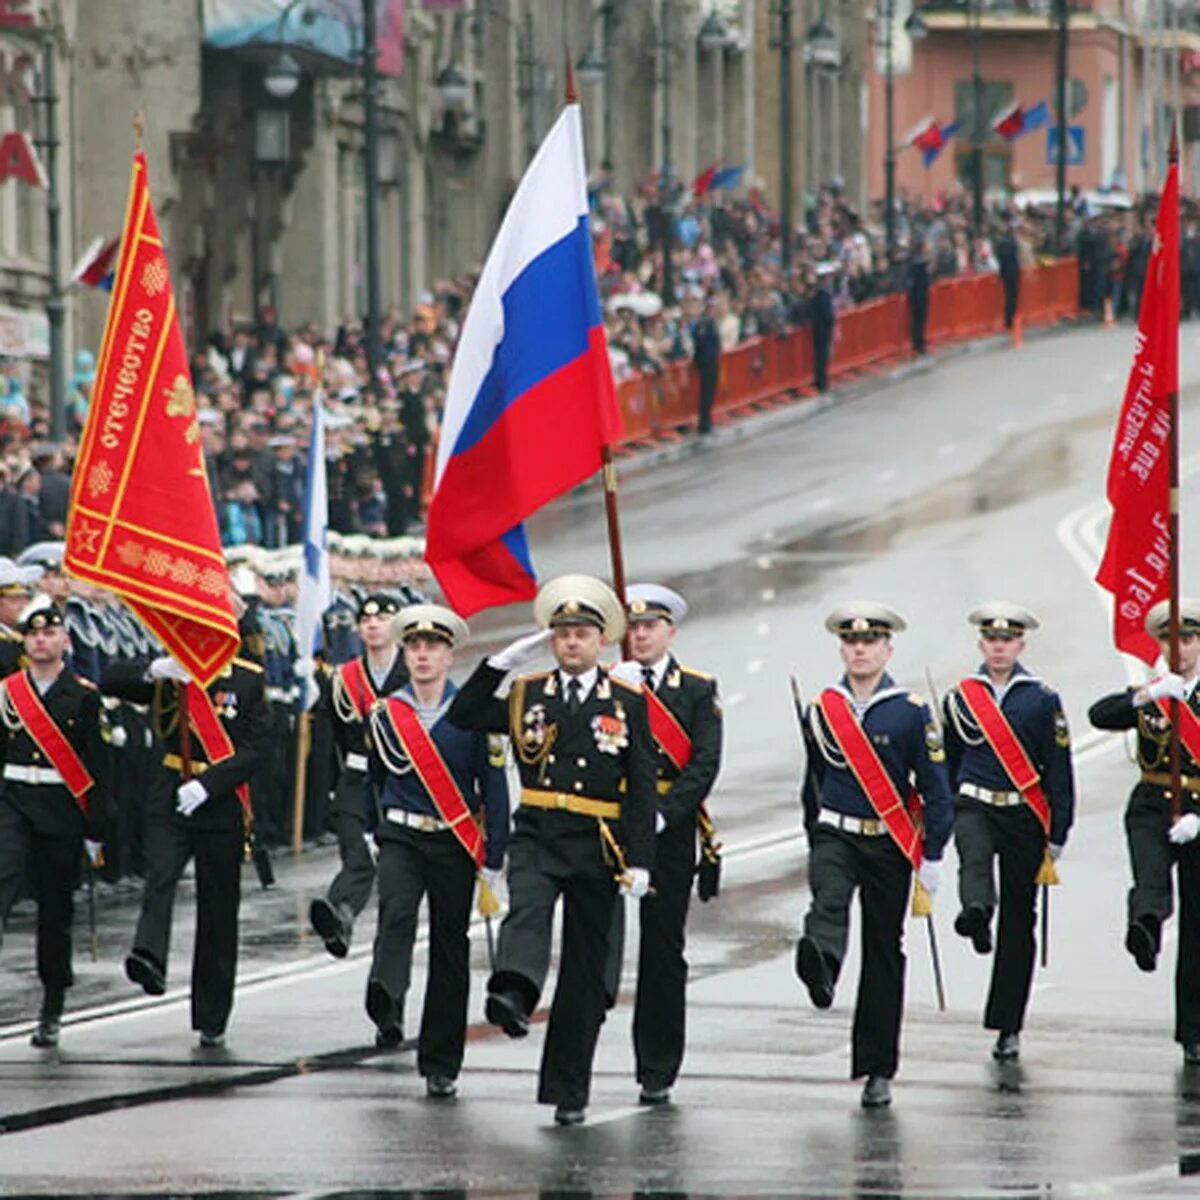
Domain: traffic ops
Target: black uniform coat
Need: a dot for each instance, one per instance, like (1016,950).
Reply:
(560,751)
(239,698)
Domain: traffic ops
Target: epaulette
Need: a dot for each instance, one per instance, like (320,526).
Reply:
(698,674)
(629,687)
(917,699)
(87,683)
(247,665)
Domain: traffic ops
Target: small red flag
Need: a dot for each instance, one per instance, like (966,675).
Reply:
(141,520)
(704,181)
(1138,554)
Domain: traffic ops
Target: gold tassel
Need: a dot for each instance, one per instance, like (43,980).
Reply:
(486,902)
(1047,875)
(922,905)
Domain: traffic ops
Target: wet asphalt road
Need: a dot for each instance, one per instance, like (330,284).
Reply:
(979,478)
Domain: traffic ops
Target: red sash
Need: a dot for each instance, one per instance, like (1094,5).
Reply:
(1189,726)
(358,686)
(871,774)
(429,765)
(213,737)
(51,740)
(667,731)
(1006,746)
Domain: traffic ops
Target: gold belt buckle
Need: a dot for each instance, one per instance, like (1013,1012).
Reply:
(870,827)
(561,800)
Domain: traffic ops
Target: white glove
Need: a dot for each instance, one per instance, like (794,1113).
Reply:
(524,649)
(660,822)
(165,667)
(95,852)
(930,876)
(1169,687)
(628,672)
(303,668)
(119,736)
(1185,829)
(372,846)
(1055,852)
(492,876)
(190,796)
(636,883)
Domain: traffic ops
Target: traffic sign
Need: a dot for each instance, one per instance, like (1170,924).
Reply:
(1075,146)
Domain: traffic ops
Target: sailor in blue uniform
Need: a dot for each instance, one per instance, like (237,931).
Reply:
(436,829)
(865,727)
(994,819)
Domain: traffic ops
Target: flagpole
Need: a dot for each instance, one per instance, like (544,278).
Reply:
(1173,540)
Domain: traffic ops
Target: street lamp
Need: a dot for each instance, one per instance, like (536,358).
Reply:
(1062,18)
(282,77)
(783,43)
(975,32)
(666,180)
(713,33)
(591,69)
(821,44)
(452,87)
(916,29)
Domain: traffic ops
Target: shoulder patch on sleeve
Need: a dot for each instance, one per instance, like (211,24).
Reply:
(497,746)
(247,665)
(917,699)
(87,683)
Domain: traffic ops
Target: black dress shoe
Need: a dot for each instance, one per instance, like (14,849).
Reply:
(383,1009)
(504,1009)
(1142,944)
(1007,1047)
(877,1092)
(813,971)
(655,1095)
(45,1036)
(1191,1054)
(328,923)
(564,1114)
(440,1087)
(141,969)
(974,922)
(211,1041)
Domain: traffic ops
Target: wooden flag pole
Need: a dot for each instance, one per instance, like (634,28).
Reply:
(1173,540)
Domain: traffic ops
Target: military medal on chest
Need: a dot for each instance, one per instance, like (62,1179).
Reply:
(610,731)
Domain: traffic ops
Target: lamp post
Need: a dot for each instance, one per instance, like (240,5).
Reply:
(594,69)
(666,180)
(822,53)
(975,32)
(1062,17)
(370,79)
(783,10)
(916,29)
(49,144)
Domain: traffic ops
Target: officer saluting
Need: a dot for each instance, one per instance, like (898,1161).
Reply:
(869,742)
(16,588)
(1009,757)
(206,817)
(51,799)
(1155,842)
(432,780)
(586,818)
(685,722)
(356,686)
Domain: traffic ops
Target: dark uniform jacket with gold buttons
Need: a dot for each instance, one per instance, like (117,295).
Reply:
(12,652)
(691,697)
(74,706)
(602,751)
(239,697)
(1153,742)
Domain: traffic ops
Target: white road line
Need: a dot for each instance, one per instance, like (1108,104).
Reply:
(618,1114)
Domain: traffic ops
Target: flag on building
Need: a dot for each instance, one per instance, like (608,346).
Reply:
(704,181)
(728,177)
(1135,568)
(96,266)
(531,400)
(141,521)
(1016,121)
(315,592)
(931,137)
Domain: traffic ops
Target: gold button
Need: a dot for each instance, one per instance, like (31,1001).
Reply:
(36,756)
(549,758)
(579,785)
(581,762)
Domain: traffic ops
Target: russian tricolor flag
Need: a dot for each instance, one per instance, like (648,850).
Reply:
(1015,121)
(531,399)
(97,264)
(931,137)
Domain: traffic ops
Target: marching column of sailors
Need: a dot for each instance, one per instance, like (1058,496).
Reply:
(615,764)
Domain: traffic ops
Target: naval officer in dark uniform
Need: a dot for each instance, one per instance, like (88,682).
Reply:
(204,818)
(423,852)
(1157,842)
(853,848)
(355,685)
(42,820)
(690,698)
(586,821)
(995,822)
(16,588)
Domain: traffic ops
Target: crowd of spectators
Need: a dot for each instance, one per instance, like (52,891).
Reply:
(255,382)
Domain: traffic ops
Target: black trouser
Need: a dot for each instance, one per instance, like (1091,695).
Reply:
(1151,855)
(659,1012)
(170,843)
(55,861)
(838,864)
(918,304)
(1012,291)
(708,393)
(1013,834)
(351,886)
(412,865)
(822,339)
(523,960)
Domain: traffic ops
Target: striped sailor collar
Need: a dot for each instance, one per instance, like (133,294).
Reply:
(885,689)
(1019,675)
(409,697)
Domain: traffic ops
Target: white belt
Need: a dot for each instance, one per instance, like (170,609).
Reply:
(999,799)
(356,762)
(864,826)
(421,822)
(20,774)
(280,695)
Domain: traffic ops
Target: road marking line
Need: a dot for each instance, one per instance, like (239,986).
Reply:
(619,1114)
